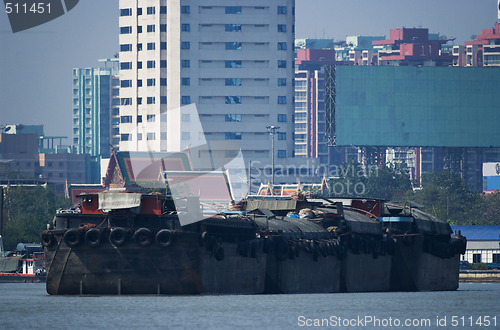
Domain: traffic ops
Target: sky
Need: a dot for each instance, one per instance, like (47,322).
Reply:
(36,64)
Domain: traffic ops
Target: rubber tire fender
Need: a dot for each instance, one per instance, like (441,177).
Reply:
(73,237)
(93,237)
(165,238)
(48,239)
(118,236)
(143,237)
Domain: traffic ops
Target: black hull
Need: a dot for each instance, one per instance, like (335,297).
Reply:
(184,268)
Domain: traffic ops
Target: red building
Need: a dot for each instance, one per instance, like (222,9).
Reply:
(412,46)
(483,51)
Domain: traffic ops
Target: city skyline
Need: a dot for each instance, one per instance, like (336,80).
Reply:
(37,63)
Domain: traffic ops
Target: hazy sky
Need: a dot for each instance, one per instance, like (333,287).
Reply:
(36,65)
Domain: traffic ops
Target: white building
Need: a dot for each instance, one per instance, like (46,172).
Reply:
(233,59)
(483,243)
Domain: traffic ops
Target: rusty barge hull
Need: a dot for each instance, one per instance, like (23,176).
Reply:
(186,267)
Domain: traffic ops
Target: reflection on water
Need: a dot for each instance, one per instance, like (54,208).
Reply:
(28,306)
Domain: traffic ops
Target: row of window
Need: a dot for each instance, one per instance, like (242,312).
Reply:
(281,10)
(128,119)
(149,100)
(185,99)
(233,45)
(149,28)
(149,136)
(187,28)
(237,117)
(150,46)
(149,11)
(229,64)
(237,136)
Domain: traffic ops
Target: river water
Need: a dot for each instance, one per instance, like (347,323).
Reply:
(28,306)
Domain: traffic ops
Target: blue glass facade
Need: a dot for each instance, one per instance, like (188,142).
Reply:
(417,106)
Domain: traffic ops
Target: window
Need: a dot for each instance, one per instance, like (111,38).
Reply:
(281,64)
(281,10)
(139,11)
(233,45)
(139,28)
(281,28)
(163,27)
(139,47)
(233,81)
(151,118)
(125,119)
(139,100)
(185,117)
(233,64)
(185,81)
(151,136)
(281,81)
(150,10)
(163,99)
(496,258)
(163,45)
(281,136)
(163,9)
(233,99)
(185,136)
(125,65)
(476,257)
(126,83)
(282,118)
(185,99)
(151,64)
(185,45)
(139,119)
(126,101)
(151,100)
(151,28)
(151,46)
(163,81)
(125,137)
(139,136)
(125,30)
(185,9)
(126,48)
(139,82)
(281,45)
(163,63)
(185,63)
(233,9)
(233,117)
(126,12)
(185,27)
(151,82)
(233,27)
(281,153)
(233,135)
(281,99)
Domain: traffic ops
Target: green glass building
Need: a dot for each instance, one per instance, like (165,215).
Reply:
(417,106)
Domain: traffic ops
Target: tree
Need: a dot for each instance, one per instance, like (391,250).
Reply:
(356,180)
(446,196)
(27,211)
(490,210)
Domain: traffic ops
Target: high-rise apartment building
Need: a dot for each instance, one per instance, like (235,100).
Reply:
(233,59)
(95,103)
(96,114)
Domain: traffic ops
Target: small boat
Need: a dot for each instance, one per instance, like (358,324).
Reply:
(25,265)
